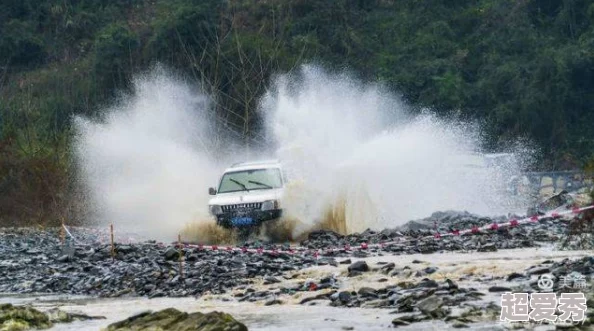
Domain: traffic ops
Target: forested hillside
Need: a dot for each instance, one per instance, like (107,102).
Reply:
(523,67)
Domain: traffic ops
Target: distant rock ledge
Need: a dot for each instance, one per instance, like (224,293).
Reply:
(172,319)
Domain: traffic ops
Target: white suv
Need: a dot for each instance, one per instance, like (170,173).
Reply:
(248,194)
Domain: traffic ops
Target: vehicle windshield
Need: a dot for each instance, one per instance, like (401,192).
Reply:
(249,180)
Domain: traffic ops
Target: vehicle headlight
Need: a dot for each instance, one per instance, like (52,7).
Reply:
(215,209)
(269,205)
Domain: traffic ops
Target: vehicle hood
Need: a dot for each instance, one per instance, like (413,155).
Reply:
(246,197)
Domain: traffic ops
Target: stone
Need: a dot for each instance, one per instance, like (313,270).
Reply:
(124,249)
(398,322)
(459,325)
(430,306)
(273,302)
(379,303)
(360,266)
(367,292)
(271,280)
(22,318)
(63,258)
(427,283)
(175,320)
(513,276)
(451,284)
(171,254)
(413,318)
(499,289)
(538,271)
(59,316)
(489,247)
(388,267)
(344,296)
(322,296)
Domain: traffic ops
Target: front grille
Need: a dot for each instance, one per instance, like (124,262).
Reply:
(241,206)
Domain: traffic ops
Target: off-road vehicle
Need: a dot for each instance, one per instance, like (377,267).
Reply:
(249,194)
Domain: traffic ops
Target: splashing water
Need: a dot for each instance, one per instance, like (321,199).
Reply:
(148,163)
(356,158)
(361,160)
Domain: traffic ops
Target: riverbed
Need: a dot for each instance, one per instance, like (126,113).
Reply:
(472,269)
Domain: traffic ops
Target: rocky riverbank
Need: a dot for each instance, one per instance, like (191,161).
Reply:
(449,290)
(415,233)
(34,261)
(382,277)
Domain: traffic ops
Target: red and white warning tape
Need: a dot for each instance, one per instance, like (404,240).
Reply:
(364,246)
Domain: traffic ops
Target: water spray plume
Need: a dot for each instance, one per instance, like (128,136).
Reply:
(356,158)
(362,160)
(149,160)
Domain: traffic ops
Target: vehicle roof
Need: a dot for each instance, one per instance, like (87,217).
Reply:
(264,164)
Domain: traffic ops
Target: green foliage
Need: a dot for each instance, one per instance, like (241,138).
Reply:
(115,49)
(19,45)
(186,28)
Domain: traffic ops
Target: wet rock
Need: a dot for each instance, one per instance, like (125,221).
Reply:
(459,325)
(427,283)
(538,270)
(367,292)
(514,275)
(387,267)
(64,258)
(399,322)
(344,296)
(359,266)
(173,319)
(376,303)
(560,271)
(323,296)
(489,247)
(499,289)
(271,280)
(431,306)
(451,285)
(273,302)
(59,316)
(409,319)
(22,318)
(171,254)
(124,249)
